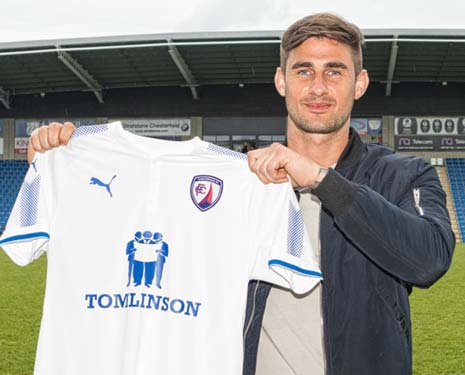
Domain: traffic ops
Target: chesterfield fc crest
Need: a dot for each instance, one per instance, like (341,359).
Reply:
(206,191)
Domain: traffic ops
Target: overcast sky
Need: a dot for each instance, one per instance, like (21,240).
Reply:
(25,20)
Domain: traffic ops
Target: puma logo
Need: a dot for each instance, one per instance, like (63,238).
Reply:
(96,181)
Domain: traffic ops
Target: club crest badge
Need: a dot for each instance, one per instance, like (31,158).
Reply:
(206,191)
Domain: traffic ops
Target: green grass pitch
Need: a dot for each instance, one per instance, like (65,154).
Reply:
(438,320)
(438,317)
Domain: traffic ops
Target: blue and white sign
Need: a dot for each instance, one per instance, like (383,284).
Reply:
(375,126)
(429,126)
(158,127)
(429,133)
(360,125)
(367,126)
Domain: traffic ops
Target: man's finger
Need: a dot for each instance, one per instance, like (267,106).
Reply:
(35,141)
(265,166)
(31,150)
(254,155)
(53,134)
(276,172)
(66,132)
(256,166)
(43,138)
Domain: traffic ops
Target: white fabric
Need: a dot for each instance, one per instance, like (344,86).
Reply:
(146,252)
(107,190)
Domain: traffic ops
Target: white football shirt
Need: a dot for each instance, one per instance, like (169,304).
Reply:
(150,246)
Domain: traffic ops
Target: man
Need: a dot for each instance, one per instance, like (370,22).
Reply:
(382,226)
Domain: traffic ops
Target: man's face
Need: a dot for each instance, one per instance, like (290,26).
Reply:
(320,86)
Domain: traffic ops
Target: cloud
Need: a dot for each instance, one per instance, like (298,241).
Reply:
(58,19)
(230,15)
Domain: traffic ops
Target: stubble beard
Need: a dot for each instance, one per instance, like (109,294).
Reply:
(332,125)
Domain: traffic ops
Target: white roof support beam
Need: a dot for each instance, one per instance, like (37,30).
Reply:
(5,98)
(392,66)
(81,73)
(183,69)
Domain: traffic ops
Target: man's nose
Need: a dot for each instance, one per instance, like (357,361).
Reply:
(318,85)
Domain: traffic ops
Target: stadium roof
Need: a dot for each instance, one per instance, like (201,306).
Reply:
(193,60)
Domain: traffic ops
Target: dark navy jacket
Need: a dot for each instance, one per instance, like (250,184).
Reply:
(384,228)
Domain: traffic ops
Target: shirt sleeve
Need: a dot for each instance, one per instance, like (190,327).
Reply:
(27,231)
(284,255)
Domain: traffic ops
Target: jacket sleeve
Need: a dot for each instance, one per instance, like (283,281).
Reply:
(408,234)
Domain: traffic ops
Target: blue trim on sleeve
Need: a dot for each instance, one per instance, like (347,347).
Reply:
(226,151)
(29,202)
(27,236)
(89,129)
(276,262)
(295,231)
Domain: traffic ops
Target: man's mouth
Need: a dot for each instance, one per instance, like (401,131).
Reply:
(317,106)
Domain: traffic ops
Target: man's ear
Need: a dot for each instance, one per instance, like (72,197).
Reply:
(361,84)
(280,81)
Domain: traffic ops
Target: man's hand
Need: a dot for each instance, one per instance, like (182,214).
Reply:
(277,163)
(50,136)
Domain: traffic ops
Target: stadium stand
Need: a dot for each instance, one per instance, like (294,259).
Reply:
(222,81)
(456,172)
(444,178)
(12,173)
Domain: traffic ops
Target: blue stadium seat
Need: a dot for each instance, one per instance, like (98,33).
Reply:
(12,173)
(456,172)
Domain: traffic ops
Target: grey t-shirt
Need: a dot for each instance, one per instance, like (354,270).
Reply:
(291,337)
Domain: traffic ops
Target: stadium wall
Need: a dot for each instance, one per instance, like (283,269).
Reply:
(230,101)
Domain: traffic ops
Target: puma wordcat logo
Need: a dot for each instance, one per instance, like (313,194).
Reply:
(96,181)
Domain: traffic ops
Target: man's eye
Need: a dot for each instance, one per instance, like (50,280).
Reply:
(303,73)
(334,73)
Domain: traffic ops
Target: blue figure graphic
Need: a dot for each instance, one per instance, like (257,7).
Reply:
(162,251)
(143,252)
(130,251)
(96,181)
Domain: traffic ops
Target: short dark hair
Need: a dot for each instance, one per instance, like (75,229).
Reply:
(323,25)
